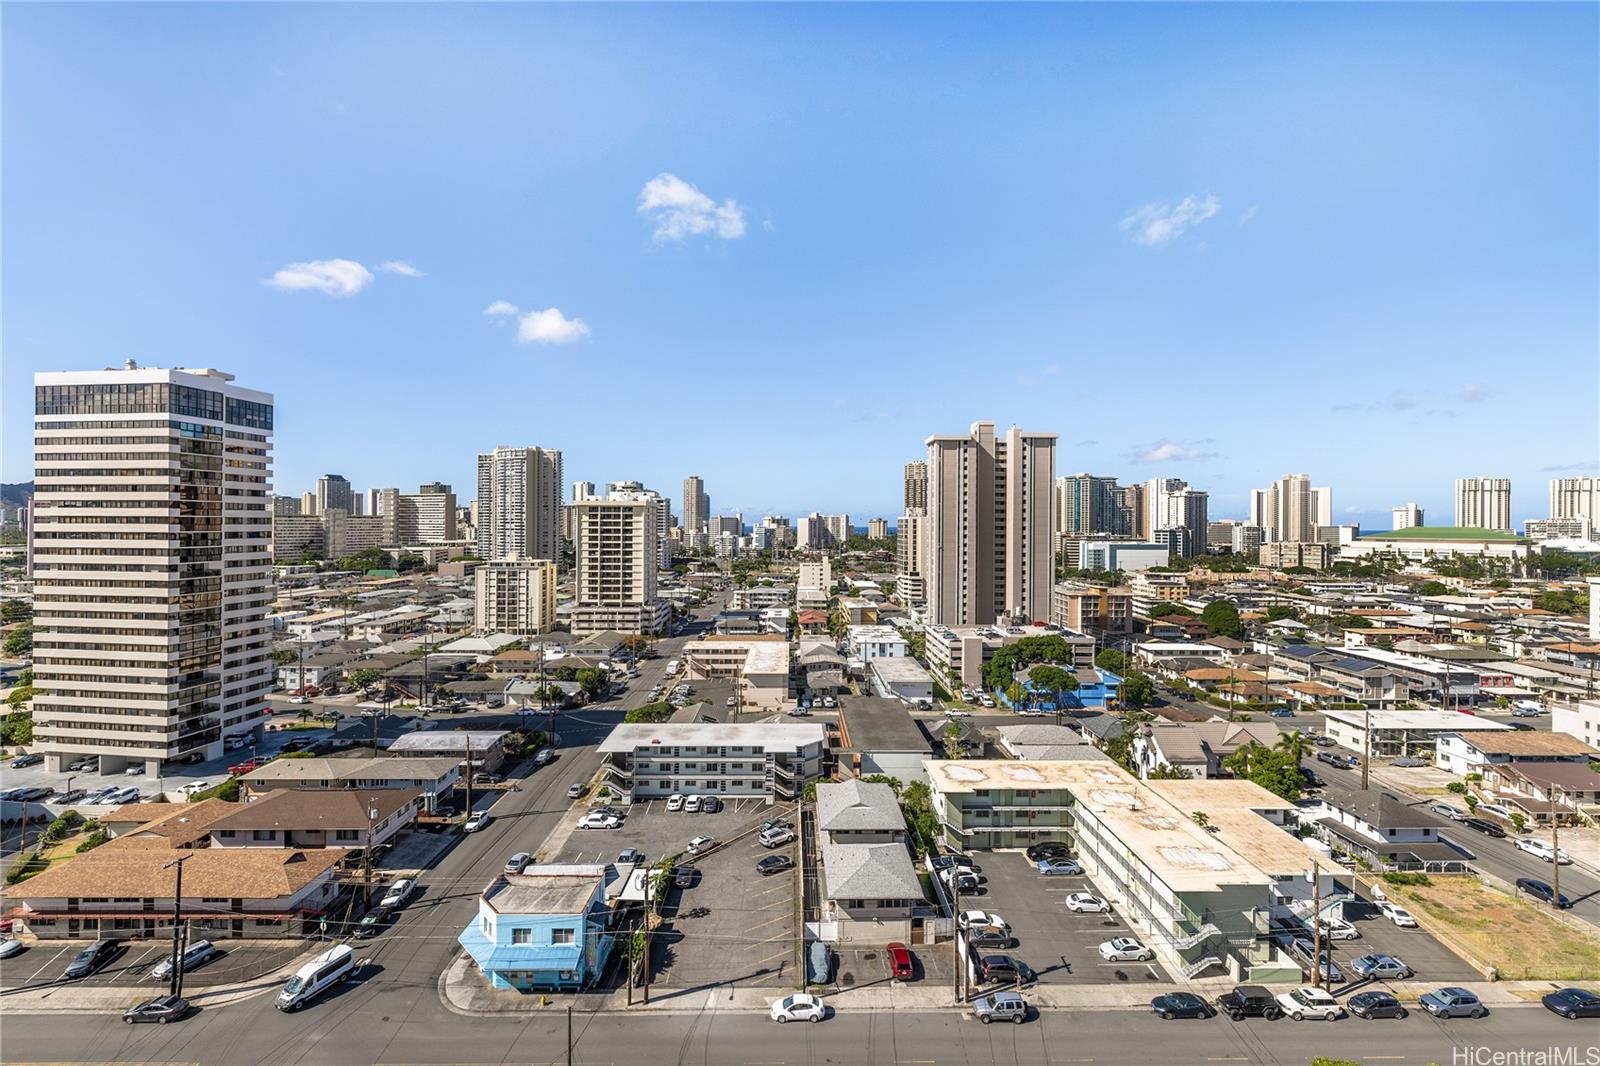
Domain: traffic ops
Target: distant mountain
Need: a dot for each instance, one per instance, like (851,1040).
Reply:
(16,494)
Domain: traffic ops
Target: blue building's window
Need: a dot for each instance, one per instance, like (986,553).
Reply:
(562,936)
(522,936)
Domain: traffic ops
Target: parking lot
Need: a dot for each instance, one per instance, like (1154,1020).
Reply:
(732,924)
(1432,961)
(240,960)
(1061,947)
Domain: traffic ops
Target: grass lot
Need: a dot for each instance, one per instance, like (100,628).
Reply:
(1520,940)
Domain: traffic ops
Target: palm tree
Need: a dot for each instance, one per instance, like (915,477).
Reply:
(1295,743)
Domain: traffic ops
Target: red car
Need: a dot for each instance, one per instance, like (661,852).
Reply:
(898,957)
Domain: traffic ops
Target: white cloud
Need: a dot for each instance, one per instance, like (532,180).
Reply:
(1249,213)
(401,267)
(1474,392)
(336,277)
(1168,452)
(1154,225)
(500,307)
(680,210)
(550,326)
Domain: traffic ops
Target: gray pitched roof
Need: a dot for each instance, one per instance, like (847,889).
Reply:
(857,805)
(869,871)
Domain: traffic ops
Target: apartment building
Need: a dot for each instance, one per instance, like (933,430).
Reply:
(519,504)
(427,516)
(759,663)
(696,504)
(152,564)
(1484,503)
(916,486)
(878,529)
(295,536)
(333,490)
(991,540)
(1285,554)
(1575,497)
(515,596)
(1094,609)
(775,760)
(1170,504)
(1125,555)
(1407,516)
(633,490)
(1086,504)
(959,652)
(869,886)
(616,554)
(910,544)
(814,584)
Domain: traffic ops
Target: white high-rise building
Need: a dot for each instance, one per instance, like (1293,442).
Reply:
(616,556)
(696,504)
(991,543)
(1407,516)
(1171,505)
(1484,503)
(152,573)
(1575,497)
(910,546)
(516,596)
(1322,505)
(1290,510)
(633,490)
(519,503)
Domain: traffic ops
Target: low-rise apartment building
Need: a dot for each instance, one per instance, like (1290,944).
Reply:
(775,760)
(1094,609)
(432,779)
(759,663)
(876,642)
(959,652)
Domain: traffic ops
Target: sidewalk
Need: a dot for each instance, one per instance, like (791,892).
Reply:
(463,991)
(90,999)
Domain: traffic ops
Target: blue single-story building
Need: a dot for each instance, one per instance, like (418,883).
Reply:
(1096,688)
(544,929)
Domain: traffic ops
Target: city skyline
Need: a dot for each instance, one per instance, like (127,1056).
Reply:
(715,273)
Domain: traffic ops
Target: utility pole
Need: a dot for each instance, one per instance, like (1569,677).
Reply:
(569,1034)
(1366,745)
(1555,851)
(1316,925)
(955,941)
(427,646)
(176,986)
(366,854)
(469,775)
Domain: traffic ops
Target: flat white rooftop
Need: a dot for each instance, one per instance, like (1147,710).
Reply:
(1415,720)
(771,735)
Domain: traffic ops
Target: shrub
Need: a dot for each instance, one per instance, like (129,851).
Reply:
(1407,879)
(25,867)
(1457,787)
(95,839)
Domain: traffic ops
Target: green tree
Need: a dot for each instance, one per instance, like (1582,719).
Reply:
(1112,659)
(592,680)
(659,711)
(1276,771)
(1433,588)
(1136,690)
(19,642)
(361,679)
(918,644)
(20,695)
(17,728)
(285,656)
(884,779)
(1052,681)
(916,806)
(1295,743)
(1166,772)
(1164,610)
(1278,613)
(1222,619)
(14,610)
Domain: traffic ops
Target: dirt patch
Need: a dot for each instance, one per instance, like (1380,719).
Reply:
(1518,939)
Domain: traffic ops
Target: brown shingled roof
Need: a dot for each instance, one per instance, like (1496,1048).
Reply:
(217,873)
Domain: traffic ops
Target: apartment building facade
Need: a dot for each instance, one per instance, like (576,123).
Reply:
(616,554)
(774,760)
(152,563)
(515,596)
(1098,610)
(991,533)
(519,503)
(1484,503)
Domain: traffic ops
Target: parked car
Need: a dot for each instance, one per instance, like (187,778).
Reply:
(91,958)
(10,947)
(1000,1007)
(575,790)
(1004,968)
(944,862)
(710,804)
(1329,969)
(691,804)
(683,875)
(1048,849)
(1280,712)
(545,756)
(1541,890)
(1308,1001)
(979,919)
(775,837)
(1340,930)
(26,760)
(1125,949)
(398,893)
(1572,1003)
(775,823)
(518,862)
(484,777)
(371,923)
(196,954)
(1249,1001)
(1087,903)
(1376,1004)
(675,802)
(1487,828)
(477,821)
(798,1008)
(989,936)
(1542,849)
(1450,811)
(1397,914)
(960,880)
(162,1009)
(1452,1003)
(897,957)
(773,864)
(1059,867)
(1381,967)
(701,844)
(1181,1005)
(1409,762)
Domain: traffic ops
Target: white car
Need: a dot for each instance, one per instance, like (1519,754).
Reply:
(1309,1002)
(398,892)
(298,701)
(1398,915)
(1125,949)
(701,844)
(10,947)
(1337,930)
(1542,849)
(1087,903)
(798,1008)
(981,919)
(478,820)
(599,821)
(691,805)
(675,802)
(775,837)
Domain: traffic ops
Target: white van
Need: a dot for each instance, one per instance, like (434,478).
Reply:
(323,972)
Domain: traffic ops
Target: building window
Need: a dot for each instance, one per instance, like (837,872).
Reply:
(562,936)
(522,936)
(262,834)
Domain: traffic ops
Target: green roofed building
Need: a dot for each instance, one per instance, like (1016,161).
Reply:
(1419,542)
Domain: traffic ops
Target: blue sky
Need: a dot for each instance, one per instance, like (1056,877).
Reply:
(779,246)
